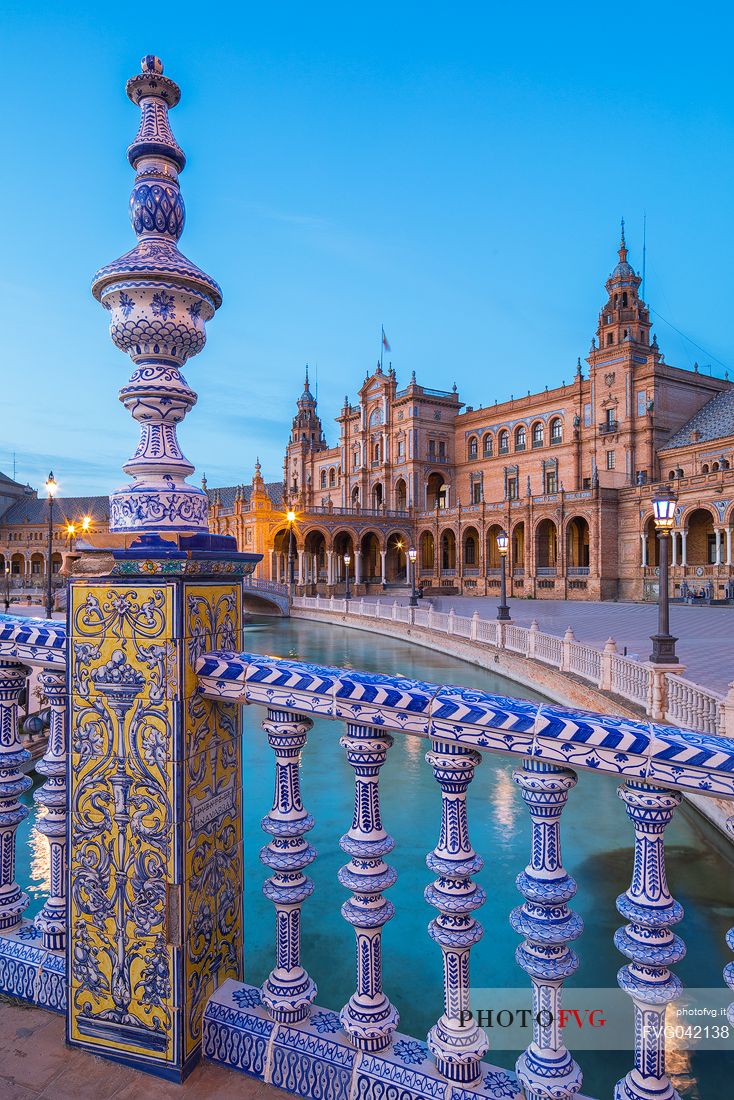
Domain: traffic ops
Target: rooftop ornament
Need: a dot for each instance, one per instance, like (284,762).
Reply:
(159,303)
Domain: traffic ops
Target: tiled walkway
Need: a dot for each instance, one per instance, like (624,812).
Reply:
(706,634)
(36,1065)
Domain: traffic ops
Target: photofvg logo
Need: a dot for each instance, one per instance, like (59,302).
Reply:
(601,1019)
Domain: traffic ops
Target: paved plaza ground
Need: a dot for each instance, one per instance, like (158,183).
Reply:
(705,634)
(35,1064)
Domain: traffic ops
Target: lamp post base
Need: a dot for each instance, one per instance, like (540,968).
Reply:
(503,614)
(663,649)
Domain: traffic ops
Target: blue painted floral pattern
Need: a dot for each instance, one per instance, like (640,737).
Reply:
(326,1023)
(127,305)
(247,998)
(411,1052)
(162,305)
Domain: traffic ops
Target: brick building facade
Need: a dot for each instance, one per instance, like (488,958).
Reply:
(567,472)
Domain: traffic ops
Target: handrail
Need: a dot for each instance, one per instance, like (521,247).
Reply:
(681,759)
(674,699)
(39,642)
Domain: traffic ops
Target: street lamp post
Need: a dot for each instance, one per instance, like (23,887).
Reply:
(51,489)
(503,611)
(291,517)
(663,643)
(413,555)
(347,561)
(7,586)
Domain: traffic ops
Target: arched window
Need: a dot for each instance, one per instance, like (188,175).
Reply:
(487,445)
(473,447)
(538,434)
(521,437)
(714,468)
(332,478)
(376,417)
(624,299)
(323,479)
(671,475)
(556,431)
(705,468)
(376,452)
(504,441)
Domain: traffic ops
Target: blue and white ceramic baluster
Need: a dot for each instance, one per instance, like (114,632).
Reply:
(13,783)
(456,1040)
(368,1018)
(288,992)
(52,918)
(546,1069)
(648,942)
(729,970)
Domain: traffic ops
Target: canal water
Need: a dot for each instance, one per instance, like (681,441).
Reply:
(597,839)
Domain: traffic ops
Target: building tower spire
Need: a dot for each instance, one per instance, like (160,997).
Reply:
(159,303)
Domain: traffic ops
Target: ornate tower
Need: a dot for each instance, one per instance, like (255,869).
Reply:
(623,364)
(625,319)
(307,437)
(159,303)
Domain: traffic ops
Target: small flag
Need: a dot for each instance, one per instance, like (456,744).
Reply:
(385,343)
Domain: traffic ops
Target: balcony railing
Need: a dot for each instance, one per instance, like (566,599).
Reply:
(607,427)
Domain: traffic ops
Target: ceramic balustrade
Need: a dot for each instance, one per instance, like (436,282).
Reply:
(53,796)
(13,783)
(288,991)
(687,704)
(656,764)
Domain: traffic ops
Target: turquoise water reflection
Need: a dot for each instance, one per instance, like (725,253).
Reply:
(597,852)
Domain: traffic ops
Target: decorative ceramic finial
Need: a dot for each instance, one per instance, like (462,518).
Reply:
(412,376)
(159,303)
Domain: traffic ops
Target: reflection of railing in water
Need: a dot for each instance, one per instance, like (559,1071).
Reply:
(460,725)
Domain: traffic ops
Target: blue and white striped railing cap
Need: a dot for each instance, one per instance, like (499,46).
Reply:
(622,747)
(33,641)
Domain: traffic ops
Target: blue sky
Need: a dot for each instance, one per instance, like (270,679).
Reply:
(456,172)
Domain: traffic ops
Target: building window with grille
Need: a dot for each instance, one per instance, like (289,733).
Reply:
(512,488)
(520,438)
(610,460)
(441,449)
(551,484)
(504,442)
(538,434)
(487,446)
(556,431)
(473,447)
(476,492)
(431,449)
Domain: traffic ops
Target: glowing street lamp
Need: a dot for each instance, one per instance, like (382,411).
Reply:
(291,517)
(503,611)
(347,561)
(413,556)
(663,643)
(51,488)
